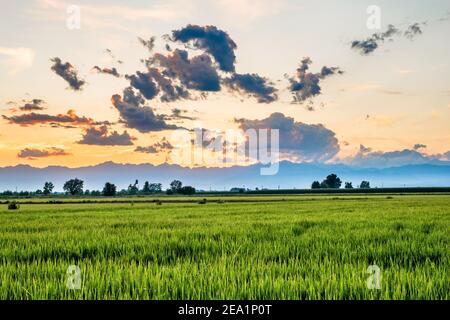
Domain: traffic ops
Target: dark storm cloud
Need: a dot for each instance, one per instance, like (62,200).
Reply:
(305,84)
(31,154)
(136,115)
(102,137)
(68,73)
(111,71)
(163,145)
(38,118)
(303,141)
(197,73)
(214,41)
(253,85)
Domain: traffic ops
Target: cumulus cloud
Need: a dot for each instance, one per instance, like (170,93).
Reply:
(197,73)
(305,84)
(136,115)
(212,40)
(71,118)
(68,73)
(32,154)
(144,83)
(111,71)
(253,85)
(163,145)
(102,137)
(304,142)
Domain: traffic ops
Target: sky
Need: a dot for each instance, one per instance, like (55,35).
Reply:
(342,81)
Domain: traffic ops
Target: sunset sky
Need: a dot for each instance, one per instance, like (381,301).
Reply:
(374,96)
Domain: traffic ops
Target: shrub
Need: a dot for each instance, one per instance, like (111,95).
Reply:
(13,206)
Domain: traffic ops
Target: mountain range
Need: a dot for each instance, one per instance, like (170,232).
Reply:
(290,175)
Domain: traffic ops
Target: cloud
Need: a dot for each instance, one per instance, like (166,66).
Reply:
(32,154)
(413,30)
(39,118)
(213,41)
(102,137)
(111,71)
(178,114)
(369,45)
(253,85)
(197,73)
(306,84)
(144,83)
(419,146)
(380,159)
(245,10)
(17,59)
(149,44)
(109,16)
(28,105)
(68,73)
(303,142)
(162,145)
(137,116)
(363,149)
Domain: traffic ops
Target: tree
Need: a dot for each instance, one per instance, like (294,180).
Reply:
(332,181)
(176,186)
(146,188)
(348,185)
(133,188)
(315,185)
(48,188)
(155,187)
(109,190)
(187,190)
(365,185)
(74,186)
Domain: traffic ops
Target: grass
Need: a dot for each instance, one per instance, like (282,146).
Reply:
(301,248)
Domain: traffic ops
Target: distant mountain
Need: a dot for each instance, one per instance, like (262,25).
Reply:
(290,175)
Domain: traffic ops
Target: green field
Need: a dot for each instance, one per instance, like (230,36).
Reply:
(297,247)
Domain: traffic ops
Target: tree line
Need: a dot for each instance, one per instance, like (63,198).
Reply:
(75,187)
(332,181)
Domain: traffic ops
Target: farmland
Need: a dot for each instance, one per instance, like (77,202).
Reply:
(247,247)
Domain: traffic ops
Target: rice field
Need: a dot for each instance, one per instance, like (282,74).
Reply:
(298,247)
